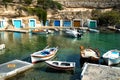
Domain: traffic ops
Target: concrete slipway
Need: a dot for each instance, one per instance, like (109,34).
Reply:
(12,68)
(100,72)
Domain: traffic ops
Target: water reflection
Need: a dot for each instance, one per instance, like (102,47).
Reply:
(2,51)
(21,45)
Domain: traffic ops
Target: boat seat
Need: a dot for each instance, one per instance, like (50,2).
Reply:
(45,52)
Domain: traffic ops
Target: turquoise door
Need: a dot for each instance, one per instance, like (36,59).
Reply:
(57,23)
(1,24)
(93,24)
(32,23)
(67,23)
(17,23)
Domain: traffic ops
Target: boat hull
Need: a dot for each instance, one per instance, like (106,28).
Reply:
(112,57)
(110,61)
(89,55)
(38,59)
(90,59)
(42,33)
(60,67)
(72,33)
(37,56)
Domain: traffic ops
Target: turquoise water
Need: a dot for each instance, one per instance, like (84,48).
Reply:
(20,46)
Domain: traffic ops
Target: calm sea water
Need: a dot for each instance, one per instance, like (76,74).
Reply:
(20,46)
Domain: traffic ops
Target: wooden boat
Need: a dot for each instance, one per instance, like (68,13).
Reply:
(89,55)
(44,54)
(38,31)
(61,65)
(112,57)
(44,31)
(2,46)
(73,33)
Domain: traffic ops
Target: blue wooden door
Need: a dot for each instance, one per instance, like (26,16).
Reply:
(57,23)
(32,23)
(17,23)
(67,23)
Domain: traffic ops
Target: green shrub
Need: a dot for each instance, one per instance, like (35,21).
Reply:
(42,14)
(28,2)
(106,18)
(109,18)
(7,1)
(46,4)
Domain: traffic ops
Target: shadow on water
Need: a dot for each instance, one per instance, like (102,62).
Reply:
(68,51)
(27,59)
(75,58)
(51,70)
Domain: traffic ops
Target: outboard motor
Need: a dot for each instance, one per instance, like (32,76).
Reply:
(78,35)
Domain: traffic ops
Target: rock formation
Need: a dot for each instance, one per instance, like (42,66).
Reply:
(72,9)
(89,3)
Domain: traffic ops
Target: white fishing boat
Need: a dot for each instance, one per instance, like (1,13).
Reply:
(61,65)
(73,33)
(94,30)
(2,46)
(112,57)
(44,54)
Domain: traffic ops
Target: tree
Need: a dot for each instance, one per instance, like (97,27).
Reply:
(42,14)
(109,18)
(96,14)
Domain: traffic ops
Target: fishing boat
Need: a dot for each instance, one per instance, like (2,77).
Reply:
(89,54)
(2,46)
(94,30)
(61,65)
(44,54)
(73,33)
(43,31)
(112,57)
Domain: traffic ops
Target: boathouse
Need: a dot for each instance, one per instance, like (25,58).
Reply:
(92,23)
(17,23)
(32,23)
(77,23)
(67,23)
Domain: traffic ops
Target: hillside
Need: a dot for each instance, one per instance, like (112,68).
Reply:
(72,9)
(90,3)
